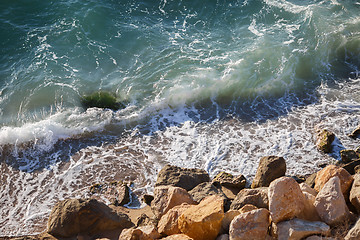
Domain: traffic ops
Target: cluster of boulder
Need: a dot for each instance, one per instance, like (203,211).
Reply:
(187,204)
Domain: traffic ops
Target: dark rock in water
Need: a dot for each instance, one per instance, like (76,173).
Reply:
(257,197)
(299,179)
(310,180)
(186,178)
(324,140)
(122,195)
(204,190)
(228,180)
(101,99)
(73,216)
(350,167)
(348,155)
(118,193)
(147,199)
(269,169)
(355,133)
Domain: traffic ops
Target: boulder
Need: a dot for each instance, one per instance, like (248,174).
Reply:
(286,199)
(316,237)
(251,225)
(355,193)
(324,139)
(167,197)
(73,216)
(309,213)
(204,190)
(257,197)
(228,217)
(177,237)
(310,180)
(330,171)
(355,132)
(330,203)
(228,180)
(269,169)
(146,198)
(168,224)
(150,231)
(348,155)
(247,208)
(132,234)
(351,166)
(354,233)
(223,237)
(297,229)
(203,221)
(185,178)
(306,188)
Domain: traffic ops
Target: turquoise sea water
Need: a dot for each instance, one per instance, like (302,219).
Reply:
(208,84)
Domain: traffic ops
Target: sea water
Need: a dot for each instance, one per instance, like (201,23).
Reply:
(213,84)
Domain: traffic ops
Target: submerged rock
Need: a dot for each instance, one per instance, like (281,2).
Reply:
(355,133)
(101,99)
(269,169)
(324,140)
(186,178)
(70,217)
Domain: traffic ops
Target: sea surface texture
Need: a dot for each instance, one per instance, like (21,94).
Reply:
(212,84)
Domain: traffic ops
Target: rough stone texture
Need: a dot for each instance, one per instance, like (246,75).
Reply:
(177,237)
(203,221)
(122,195)
(204,190)
(228,217)
(286,199)
(348,155)
(355,193)
(257,197)
(168,223)
(147,199)
(354,233)
(133,233)
(330,203)
(223,237)
(310,180)
(247,208)
(316,237)
(297,229)
(309,213)
(118,193)
(228,180)
(351,166)
(167,197)
(306,188)
(251,225)
(330,171)
(324,140)
(73,216)
(181,177)
(150,231)
(355,133)
(269,169)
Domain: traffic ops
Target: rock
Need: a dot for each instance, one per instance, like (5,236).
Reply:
(203,221)
(147,199)
(348,155)
(178,237)
(168,224)
(123,195)
(330,171)
(310,180)
(150,231)
(118,193)
(223,237)
(330,203)
(269,169)
(167,197)
(309,213)
(297,229)
(355,133)
(257,197)
(286,199)
(144,220)
(355,193)
(316,237)
(132,234)
(228,217)
(324,140)
(228,180)
(306,188)
(73,216)
(181,177)
(250,225)
(351,166)
(247,208)
(354,233)
(204,190)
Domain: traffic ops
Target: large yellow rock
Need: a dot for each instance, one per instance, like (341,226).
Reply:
(331,171)
(178,237)
(168,224)
(203,221)
(286,199)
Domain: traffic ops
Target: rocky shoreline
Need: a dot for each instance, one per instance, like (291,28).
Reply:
(187,204)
